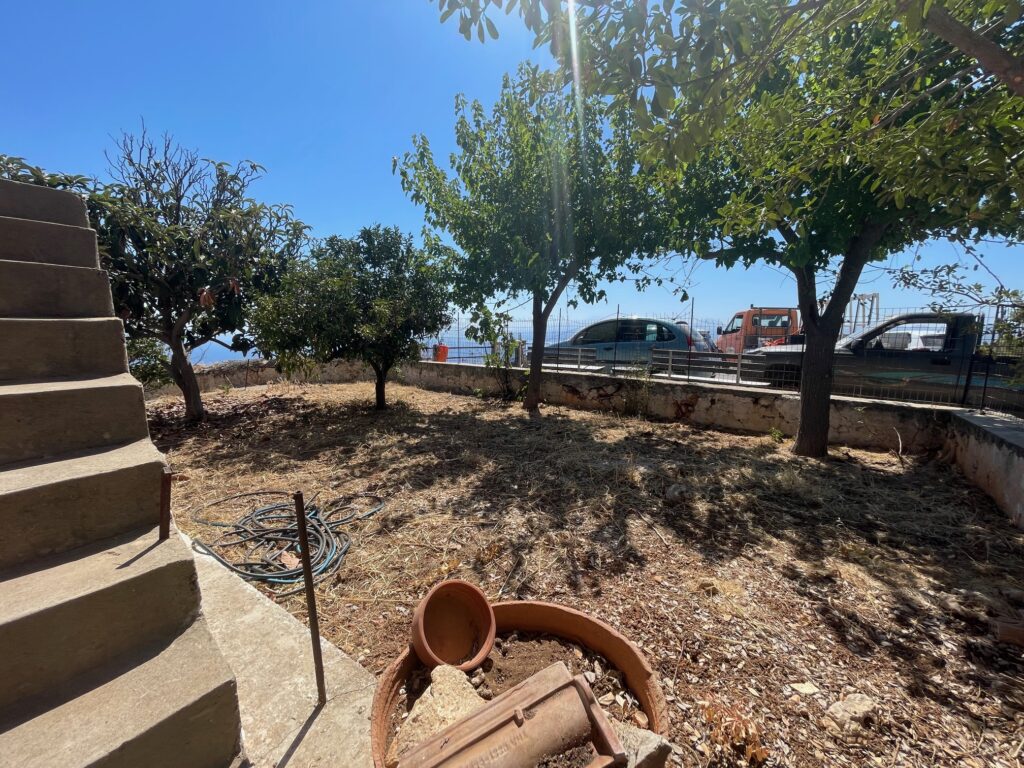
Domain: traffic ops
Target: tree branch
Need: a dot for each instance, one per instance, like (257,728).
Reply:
(992,57)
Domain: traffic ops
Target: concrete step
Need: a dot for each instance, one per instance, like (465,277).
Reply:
(47,418)
(65,615)
(39,349)
(47,243)
(30,201)
(77,499)
(174,709)
(28,289)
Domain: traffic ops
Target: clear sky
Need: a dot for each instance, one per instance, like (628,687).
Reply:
(323,93)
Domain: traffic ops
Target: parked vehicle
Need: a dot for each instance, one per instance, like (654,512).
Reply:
(629,340)
(922,355)
(757,327)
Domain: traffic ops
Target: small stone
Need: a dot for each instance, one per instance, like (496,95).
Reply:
(850,715)
(807,689)
(486,693)
(477,679)
(590,677)
(447,699)
(641,720)
(643,748)
(606,700)
(708,587)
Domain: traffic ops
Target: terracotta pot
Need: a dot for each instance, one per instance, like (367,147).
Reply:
(534,616)
(453,624)
(578,627)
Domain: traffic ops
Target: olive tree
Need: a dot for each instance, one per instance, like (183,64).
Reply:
(545,192)
(371,298)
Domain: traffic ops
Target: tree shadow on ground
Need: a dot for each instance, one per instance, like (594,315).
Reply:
(573,483)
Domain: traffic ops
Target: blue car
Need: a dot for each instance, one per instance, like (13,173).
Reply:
(629,340)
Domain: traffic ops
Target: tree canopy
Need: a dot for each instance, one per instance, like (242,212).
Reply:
(544,193)
(372,298)
(187,248)
(814,136)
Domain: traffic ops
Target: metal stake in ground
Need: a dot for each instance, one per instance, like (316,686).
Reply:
(165,505)
(307,577)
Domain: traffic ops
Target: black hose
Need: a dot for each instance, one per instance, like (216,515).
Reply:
(272,530)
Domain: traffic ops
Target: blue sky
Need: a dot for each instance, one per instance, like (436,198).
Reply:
(323,93)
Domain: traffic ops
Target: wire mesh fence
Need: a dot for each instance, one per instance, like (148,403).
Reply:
(960,358)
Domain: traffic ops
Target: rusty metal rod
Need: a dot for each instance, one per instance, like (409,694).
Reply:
(307,577)
(165,505)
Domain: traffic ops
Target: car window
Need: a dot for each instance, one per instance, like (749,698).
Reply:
(734,325)
(665,333)
(632,330)
(911,336)
(599,333)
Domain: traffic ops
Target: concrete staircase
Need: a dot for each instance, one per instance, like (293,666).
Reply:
(105,658)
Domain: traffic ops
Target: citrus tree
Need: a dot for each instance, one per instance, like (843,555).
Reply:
(371,298)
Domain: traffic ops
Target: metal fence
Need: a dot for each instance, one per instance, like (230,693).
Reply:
(963,358)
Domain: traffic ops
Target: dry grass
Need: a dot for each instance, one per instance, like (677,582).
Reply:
(739,569)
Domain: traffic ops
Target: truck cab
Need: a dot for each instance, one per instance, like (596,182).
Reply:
(757,327)
(921,355)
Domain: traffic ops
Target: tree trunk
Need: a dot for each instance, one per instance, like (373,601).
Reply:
(382,377)
(185,377)
(540,325)
(815,391)
(821,331)
(992,57)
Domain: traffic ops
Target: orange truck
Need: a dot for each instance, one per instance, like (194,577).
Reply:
(757,327)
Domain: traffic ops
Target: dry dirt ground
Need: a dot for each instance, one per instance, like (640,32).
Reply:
(763,588)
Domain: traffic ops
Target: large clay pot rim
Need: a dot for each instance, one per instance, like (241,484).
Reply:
(639,676)
(462,588)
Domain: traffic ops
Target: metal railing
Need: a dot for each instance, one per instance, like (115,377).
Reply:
(923,361)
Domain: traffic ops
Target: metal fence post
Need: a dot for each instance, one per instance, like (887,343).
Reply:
(307,577)
(165,505)
(615,347)
(739,367)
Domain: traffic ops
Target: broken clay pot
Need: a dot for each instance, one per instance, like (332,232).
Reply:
(542,716)
(453,625)
(548,618)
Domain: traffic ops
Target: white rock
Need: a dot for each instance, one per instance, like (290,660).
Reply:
(644,749)
(851,714)
(449,698)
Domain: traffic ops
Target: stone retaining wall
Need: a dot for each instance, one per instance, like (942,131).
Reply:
(989,449)
(250,373)
(875,424)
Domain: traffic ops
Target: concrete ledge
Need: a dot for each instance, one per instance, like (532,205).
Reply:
(251,373)
(989,449)
(270,653)
(858,423)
